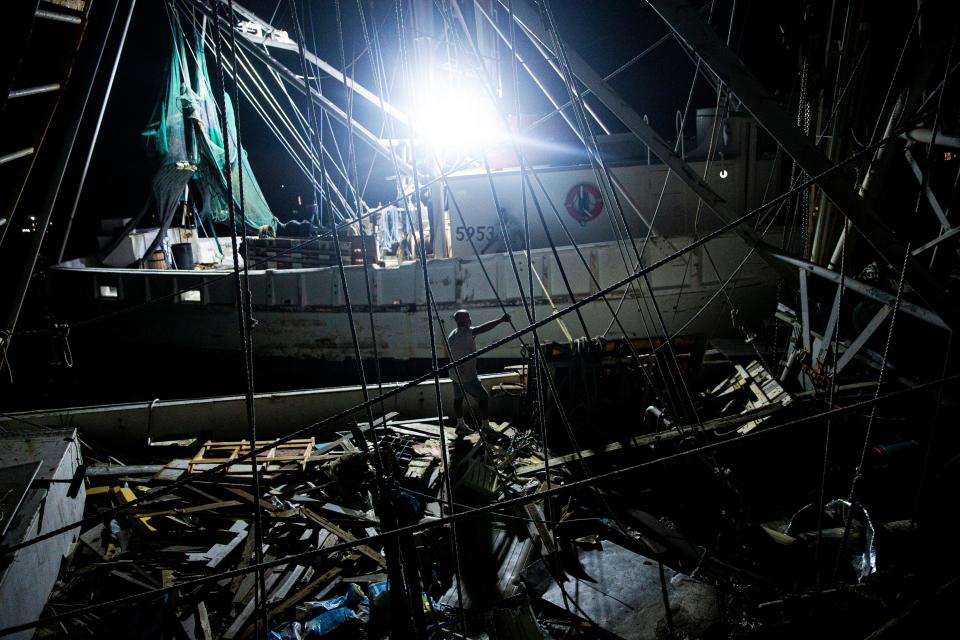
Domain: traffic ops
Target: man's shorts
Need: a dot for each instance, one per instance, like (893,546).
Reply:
(471,387)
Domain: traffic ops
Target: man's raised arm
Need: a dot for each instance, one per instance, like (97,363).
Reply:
(486,326)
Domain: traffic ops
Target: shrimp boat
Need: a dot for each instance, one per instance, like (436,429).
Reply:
(587,212)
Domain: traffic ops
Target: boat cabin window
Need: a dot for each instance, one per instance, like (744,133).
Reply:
(109,292)
(193,295)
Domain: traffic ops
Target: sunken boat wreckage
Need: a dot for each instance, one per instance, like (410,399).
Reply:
(718,399)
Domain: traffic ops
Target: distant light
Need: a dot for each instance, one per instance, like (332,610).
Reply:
(193,295)
(107,291)
(723,174)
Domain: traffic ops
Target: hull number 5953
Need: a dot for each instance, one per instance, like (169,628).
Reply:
(470,232)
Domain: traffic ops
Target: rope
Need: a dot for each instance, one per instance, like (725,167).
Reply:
(363,244)
(858,472)
(405,63)
(826,438)
(242,293)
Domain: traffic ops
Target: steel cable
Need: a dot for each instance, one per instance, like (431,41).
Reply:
(330,421)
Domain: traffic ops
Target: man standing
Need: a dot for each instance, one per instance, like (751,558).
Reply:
(462,343)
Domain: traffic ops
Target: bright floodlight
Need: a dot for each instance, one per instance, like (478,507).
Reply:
(460,120)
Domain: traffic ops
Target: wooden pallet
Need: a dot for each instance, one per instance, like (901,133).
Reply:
(284,457)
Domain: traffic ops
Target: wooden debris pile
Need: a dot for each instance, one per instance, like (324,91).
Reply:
(313,495)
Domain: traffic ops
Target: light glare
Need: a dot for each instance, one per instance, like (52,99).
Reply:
(460,120)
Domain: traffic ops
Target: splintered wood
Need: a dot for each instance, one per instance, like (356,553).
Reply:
(761,388)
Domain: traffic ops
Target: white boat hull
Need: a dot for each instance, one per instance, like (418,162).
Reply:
(301,312)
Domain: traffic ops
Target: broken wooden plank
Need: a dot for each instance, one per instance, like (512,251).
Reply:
(123,575)
(343,535)
(280,457)
(94,539)
(172,470)
(248,497)
(240,622)
(283,587)
(421,430)
(370,577)
(222,504)
(196,626)
(654,438)
(218,552)
(307,591)
(418,467)
(538,526)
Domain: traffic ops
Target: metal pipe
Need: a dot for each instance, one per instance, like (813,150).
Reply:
(32,91)
(58,17)
(16,155)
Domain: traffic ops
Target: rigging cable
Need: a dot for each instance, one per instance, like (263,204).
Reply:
(408,581)
(858,472)
(405,63)
(946,359)
(519,152)
(526,167)
(358,206)
(330,421)
(244,315)
(320,197)
(49,200)
(92,145)
(12,210)
(538,365)
(821,503)
(604,177)
(379,70)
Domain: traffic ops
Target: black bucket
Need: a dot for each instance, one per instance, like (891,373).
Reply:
(183,255)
